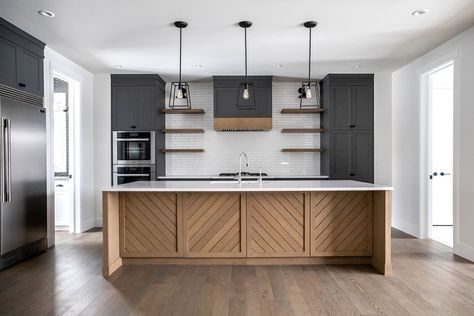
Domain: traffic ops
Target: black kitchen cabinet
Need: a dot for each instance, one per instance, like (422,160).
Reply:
(348,121)
(21,59)
(136,102)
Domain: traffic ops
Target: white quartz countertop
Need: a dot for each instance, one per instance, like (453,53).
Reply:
(229,186)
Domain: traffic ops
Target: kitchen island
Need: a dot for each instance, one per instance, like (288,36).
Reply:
(224,222)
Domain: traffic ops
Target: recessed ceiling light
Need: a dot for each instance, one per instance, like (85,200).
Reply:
(419,12)
(46,13)
(357,66)
(118,66)
(197,66)
(277,65)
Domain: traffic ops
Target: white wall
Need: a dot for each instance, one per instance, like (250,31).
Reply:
(383,128)
(83,173)
(222,149)
(102,141)
(409,130)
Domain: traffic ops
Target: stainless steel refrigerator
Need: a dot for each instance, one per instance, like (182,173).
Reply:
(23,215)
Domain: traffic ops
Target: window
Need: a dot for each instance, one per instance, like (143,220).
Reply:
(61,102)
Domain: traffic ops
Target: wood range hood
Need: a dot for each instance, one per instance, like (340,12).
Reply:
(232,113)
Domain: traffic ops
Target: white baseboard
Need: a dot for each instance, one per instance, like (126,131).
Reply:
(98,222)
(406,227)
(464,250)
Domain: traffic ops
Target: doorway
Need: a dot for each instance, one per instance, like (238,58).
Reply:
(440,97)
(63,103)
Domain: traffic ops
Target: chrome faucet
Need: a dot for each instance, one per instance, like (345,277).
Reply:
(240,164)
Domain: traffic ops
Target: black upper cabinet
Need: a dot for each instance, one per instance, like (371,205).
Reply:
(21,59)
(136,102)
(228,101)
(348,120)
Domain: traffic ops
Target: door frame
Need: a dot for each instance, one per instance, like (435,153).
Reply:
(73,95)
(451,58)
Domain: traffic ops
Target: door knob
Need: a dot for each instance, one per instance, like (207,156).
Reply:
(444,174)
(435,174)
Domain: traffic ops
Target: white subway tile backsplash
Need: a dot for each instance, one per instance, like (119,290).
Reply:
(222,149)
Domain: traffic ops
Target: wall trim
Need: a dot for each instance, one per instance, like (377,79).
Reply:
(406,227)
(464,250)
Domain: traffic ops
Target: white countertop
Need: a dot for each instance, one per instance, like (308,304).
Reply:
(201,177)
(227,186)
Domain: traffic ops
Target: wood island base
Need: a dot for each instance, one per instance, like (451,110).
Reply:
(253,228)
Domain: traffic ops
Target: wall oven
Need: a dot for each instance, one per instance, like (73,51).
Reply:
(127,173)
(133,148)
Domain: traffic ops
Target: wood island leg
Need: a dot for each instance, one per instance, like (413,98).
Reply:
(111,241)
(382,256)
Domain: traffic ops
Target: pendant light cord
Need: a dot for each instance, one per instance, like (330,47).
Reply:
(246,83)
(309,63)
(180,54)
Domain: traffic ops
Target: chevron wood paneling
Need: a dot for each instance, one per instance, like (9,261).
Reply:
(151,224)
(214,224)
(277,224)
(341,223)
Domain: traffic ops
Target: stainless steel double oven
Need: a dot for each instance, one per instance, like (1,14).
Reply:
(133,156)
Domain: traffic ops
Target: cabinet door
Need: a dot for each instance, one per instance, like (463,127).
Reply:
(340,100)
(123,109)
(278,224)
(146,108)
(340,160)
(8,63)
(341,224)
(362,107)
(151,224)
(30,72)
(214,224)
(362,156)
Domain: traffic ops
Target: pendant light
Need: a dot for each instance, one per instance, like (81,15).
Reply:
(245,25)
(305,90)
(180,90)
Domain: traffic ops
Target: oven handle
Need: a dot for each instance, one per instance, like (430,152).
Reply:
(133,175)
(133,139)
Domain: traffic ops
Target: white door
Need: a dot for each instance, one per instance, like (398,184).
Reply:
(440,109)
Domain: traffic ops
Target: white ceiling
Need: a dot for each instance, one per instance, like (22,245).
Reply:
(378,34)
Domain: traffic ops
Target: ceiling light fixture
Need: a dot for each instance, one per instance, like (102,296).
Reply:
(180,90)
(277,65)
(419,12)
(357,66)
(118,66)
(46,13)
(245,25)
(305,89)
(197,66)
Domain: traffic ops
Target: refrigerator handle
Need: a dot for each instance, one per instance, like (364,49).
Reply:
(8,156)
(3,186)
(5,161)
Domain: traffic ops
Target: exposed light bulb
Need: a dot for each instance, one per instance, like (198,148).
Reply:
(179,94)
(308,92)
(246,95)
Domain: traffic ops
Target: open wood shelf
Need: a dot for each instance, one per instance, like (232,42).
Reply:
(302,130)
(301,111)
(183,130)
(302,150)
(183,111)
(182,150)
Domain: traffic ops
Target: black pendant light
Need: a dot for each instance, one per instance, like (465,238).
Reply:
(179,91)
(306,86)
(245,25)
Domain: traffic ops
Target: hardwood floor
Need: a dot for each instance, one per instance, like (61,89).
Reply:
(427,280)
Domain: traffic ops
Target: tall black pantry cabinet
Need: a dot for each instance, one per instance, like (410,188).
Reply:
(137,101)
(348,121)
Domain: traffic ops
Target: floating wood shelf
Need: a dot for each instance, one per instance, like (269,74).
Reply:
(302,150)
(301,111)
(183,111)
(302,130)
(183,130)
(182,150)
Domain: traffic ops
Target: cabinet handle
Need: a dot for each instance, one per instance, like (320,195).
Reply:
(352,126)
(22,85)
(352,174)
(133,126)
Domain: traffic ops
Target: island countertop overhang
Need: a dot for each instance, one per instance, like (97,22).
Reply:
(265,186)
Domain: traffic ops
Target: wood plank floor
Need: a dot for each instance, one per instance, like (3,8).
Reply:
(427,280)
